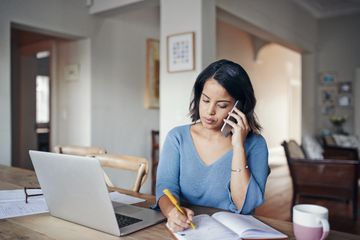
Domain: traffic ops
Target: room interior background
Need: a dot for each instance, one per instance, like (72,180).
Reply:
(283,53)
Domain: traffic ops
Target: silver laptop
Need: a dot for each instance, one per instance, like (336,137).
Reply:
(75,190)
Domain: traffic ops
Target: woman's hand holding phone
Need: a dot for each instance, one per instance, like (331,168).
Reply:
(239,128)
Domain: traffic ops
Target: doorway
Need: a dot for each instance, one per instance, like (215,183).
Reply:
(31,69)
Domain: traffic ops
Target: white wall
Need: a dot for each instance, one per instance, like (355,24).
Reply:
(98,6)
(294,28)
(338,51)
(73,95)
(357,101)
(273,75)
(282,19)
(175,88)
(120,123)
(58,17)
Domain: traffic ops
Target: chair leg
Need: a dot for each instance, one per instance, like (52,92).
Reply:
(354,208)
(293,201)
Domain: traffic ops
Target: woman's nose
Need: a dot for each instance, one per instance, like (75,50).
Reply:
(211,109)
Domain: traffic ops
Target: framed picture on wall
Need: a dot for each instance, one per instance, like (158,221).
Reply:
(345,87)
(152,94)
(181,52)
(328,94)
(328,108)
(344,101)
(327,78)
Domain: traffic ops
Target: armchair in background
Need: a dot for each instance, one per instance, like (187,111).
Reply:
(328,179)
(340,147)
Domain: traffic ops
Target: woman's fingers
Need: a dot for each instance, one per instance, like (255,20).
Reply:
(238,115)
(179,219)
(174,227)
(190,214)
(179,222)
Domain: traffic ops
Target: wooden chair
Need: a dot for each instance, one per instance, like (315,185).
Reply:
(129,163)
(154,158)
(322,178)
(79,150)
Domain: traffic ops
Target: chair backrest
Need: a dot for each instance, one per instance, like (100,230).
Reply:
(341,174)
(129,163)
(79,150)
(332,150)
(295,150)
(329,140)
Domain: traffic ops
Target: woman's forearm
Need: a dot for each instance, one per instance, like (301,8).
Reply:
(240,176)
(165,205)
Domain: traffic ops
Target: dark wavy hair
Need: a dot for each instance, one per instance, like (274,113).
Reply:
(236,81)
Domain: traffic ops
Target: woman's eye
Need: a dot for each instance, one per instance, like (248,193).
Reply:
(222,106)
(206,100)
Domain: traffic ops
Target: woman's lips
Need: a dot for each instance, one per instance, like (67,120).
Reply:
(209,120)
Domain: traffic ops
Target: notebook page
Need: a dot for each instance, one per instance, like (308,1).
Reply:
(206,228)
(247,225)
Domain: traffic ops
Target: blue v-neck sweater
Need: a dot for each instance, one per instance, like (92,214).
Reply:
(182,171)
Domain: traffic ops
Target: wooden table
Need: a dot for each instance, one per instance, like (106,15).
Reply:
(44,226)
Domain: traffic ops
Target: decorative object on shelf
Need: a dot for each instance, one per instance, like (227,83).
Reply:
(327,78)
(152,92)
(181,52)
(338,122)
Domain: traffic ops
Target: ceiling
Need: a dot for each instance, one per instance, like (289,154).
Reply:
(329,8)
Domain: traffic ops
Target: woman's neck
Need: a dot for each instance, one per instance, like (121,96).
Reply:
(209,134)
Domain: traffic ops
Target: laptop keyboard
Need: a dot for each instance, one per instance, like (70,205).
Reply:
(124,221)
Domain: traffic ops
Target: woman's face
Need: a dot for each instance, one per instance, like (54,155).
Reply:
(215,104)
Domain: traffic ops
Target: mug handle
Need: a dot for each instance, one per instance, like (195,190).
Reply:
(326,228)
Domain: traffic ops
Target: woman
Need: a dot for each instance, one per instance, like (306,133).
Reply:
(201,166)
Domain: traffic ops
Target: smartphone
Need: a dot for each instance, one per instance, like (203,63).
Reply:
(226,128)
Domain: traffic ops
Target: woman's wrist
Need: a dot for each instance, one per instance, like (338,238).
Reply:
(238,146)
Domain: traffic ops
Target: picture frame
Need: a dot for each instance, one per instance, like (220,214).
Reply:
(328,78)
(328,108)
(344,101)
(181,52)
(152,90)
(345,87)
(327,94)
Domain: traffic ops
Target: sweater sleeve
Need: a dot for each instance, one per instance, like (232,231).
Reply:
(257,159)
(169,168)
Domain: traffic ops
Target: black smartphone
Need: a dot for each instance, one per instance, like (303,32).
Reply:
(226,128)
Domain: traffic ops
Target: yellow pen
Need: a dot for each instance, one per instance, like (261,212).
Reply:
(174,201)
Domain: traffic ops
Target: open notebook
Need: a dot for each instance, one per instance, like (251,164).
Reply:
(229,226)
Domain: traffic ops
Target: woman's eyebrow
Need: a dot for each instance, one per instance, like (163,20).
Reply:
(227,101)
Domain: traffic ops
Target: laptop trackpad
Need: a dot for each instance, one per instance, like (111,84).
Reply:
(127,209)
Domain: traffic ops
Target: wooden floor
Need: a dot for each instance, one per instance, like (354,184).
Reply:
(278,200)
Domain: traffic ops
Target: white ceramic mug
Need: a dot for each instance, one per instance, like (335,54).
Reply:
(310,222)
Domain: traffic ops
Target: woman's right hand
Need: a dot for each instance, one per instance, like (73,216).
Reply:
(177,222)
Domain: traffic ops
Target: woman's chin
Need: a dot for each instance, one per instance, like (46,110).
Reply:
(210,126)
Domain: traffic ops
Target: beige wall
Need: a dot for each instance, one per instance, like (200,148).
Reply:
(58,18)
(276,80)
(176,87)
(73,96)
(119,120)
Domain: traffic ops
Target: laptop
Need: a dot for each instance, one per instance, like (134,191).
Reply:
(75,190)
